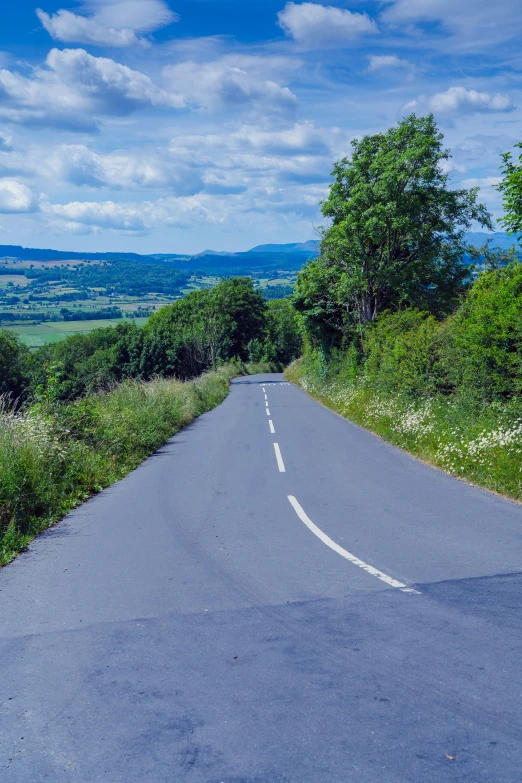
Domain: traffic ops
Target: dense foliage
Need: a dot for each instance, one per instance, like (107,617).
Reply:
(408,331)
(206,329)
(122,277)
(396,237)
(13,365)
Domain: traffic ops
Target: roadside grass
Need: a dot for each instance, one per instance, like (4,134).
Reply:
(54,457)
(474,440)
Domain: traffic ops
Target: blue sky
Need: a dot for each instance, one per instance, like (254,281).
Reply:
(176,126)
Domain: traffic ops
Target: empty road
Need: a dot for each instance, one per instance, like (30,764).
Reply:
(276,596)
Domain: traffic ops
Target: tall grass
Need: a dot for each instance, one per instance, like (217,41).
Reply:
(477,440)
(53,457)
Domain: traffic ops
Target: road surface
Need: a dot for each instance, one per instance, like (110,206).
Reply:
(323,610)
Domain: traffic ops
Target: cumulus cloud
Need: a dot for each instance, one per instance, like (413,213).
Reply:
(139,217)
(184,212)
(313,25)
(230,83)
(384,62)
(458,101)
(120,170)
(16,197)
(255,148)
(244,174)
(74,89)
(256,158)
(108,22)
(228,163)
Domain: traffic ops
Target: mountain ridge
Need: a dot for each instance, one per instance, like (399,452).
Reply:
(290,253)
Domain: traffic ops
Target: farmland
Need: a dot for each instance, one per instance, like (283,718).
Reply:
(46,301)
(37,334)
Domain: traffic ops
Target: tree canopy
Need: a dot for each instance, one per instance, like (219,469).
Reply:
(396,236)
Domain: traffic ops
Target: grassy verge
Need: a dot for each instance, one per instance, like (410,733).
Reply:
(52,458)
(474,440)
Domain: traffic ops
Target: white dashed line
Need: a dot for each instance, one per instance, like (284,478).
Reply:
(266,403)
(344,553)
(280,463)
(271,425)
(267,412)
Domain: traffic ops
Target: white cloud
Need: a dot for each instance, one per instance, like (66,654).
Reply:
(240,174)
(314,25)
(135,218)
(74,89)
(242,159)
(230,83)
(458,101)
(474,22)
(112,23)
(120,170)
(139,217)
(384,62)
(16,197)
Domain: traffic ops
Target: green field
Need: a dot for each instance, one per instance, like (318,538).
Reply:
(46,297)
(16,280)
(36,335)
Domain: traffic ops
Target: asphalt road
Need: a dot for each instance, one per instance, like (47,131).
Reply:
(193,623)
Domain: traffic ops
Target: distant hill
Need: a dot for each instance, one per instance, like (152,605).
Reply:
(212,253)
(38,254)
(499,239)
(259,259)
(311,248)
(244,263)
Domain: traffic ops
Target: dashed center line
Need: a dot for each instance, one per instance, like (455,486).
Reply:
(389,580)
(344,552)
(280,463)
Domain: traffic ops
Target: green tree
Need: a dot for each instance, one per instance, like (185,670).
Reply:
(209,326)
(511,189)
(482,347)
(13,364)
(283,335)
(396,237)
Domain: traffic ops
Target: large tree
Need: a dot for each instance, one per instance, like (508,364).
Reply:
(209,326)
(396,233)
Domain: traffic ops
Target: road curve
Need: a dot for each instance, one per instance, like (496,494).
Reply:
(276,596)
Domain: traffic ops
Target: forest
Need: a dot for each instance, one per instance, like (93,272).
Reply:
(116,276)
